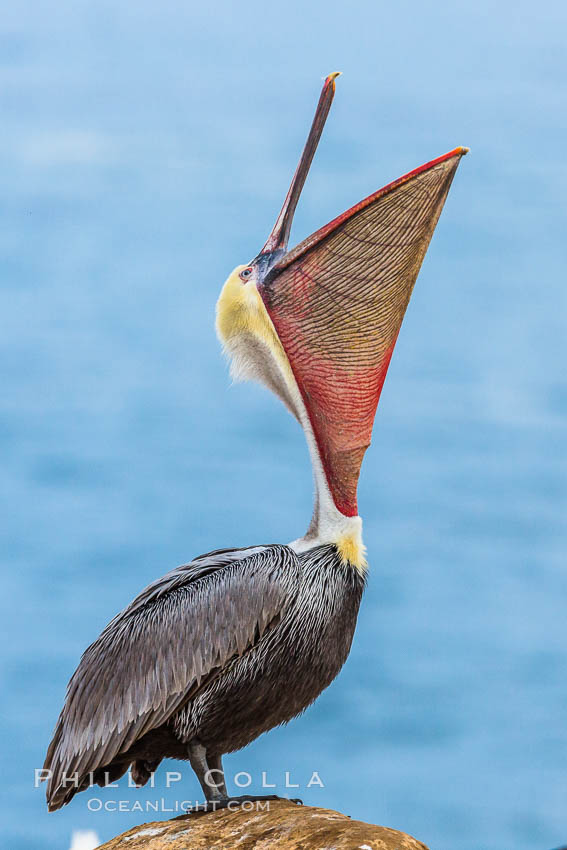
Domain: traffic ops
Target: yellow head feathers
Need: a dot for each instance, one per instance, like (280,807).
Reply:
(249,338)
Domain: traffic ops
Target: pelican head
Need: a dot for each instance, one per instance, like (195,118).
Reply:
(317,325)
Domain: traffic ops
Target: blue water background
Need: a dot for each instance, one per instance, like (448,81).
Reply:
(145,149)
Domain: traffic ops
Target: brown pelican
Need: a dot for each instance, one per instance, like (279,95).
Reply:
(238,641)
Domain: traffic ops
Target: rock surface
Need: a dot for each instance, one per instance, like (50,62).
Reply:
(284,826)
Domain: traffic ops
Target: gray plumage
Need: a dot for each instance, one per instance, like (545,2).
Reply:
(211,655)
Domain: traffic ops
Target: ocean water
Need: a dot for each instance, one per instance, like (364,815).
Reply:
(145,151)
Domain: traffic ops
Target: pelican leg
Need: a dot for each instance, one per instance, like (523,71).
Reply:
(198,759)
(217,774)
(216,796)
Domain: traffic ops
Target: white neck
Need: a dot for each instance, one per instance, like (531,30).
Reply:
(328,524)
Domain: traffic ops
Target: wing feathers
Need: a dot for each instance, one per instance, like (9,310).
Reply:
(155,655)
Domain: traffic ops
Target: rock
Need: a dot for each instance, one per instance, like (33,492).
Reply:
(285,825)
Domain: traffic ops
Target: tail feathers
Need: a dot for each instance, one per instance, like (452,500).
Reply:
(69,768)
(62,791)
(62,787)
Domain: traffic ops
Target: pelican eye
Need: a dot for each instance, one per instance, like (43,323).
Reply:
(246,273)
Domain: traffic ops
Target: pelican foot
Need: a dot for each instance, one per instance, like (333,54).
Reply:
(234,802)
(253,798)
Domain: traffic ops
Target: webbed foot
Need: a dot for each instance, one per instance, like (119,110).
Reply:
(235,802)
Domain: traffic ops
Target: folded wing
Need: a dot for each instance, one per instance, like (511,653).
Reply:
(152,658)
